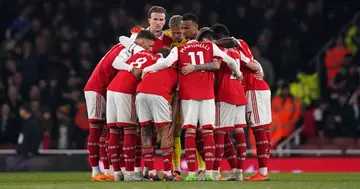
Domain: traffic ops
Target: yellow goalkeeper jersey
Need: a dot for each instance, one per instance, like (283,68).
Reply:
(174,43)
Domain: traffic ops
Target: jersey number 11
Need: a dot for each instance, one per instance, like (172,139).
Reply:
(200,54)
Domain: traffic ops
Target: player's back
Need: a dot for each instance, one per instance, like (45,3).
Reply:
(126,82)
(104,72)
(161,83)
(196,85)
(227,87)
(250,82)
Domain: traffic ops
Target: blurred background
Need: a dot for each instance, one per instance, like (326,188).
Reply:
(308,50)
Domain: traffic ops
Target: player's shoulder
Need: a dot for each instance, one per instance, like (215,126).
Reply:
(243,43)
(168,33)
(115,49)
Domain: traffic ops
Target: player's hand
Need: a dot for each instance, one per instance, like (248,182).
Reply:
(188,68)
(259,75)
(137,72)
(143,74)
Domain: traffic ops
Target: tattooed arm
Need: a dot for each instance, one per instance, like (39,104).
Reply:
(212,66)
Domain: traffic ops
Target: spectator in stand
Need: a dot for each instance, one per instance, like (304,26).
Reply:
(31,133)
(343,118)
(9,126)
(334,59)
(289,59)
(322,117)
(269,75)
(286,112)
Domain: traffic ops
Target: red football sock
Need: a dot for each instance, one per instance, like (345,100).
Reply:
(190,151)
(107,144)
(138,150)
(114,149)
(200,143)
(121,151)
(209,149)
(103,153)
(148,157)
(241,149)
(261,147)
(268,136)
(129,147)
(219,148)
(167,157)
(229,152)
(93,143)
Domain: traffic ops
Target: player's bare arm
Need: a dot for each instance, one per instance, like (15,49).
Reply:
(259,74)
(227,42)
(212,66)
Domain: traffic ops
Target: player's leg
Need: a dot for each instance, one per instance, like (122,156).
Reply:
(95,105)
(114,135)
(126,118)
(177,149)
(143,110)
(260,119)
(239,135)
(148,150)
(200,156)
(107,138)
(230,155)
(161,111)
(176,123)
(190,114)
(225,121)
(207,122)
(114,151)
(138,153)
(104,154)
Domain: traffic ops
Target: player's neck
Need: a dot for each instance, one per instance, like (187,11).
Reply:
(156,33)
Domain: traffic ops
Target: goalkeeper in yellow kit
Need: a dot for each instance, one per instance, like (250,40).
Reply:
(176,34)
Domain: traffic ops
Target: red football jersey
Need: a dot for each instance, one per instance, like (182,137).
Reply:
(126,82)
(249,82)
(165,81)
(161,42)
(104,72)
(196,85)
(227,88)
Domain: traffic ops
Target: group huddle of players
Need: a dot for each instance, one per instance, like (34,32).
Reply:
(161,83)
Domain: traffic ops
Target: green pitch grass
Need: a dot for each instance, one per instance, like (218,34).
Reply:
(73,180)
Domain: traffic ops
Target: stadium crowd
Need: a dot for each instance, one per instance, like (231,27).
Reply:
(50,48)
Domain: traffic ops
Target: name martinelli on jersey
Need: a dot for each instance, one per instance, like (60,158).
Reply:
(196,45)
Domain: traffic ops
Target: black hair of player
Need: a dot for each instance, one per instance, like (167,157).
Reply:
(146,34)
(163,51)
(190,17)
(206,35)
(220,30)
